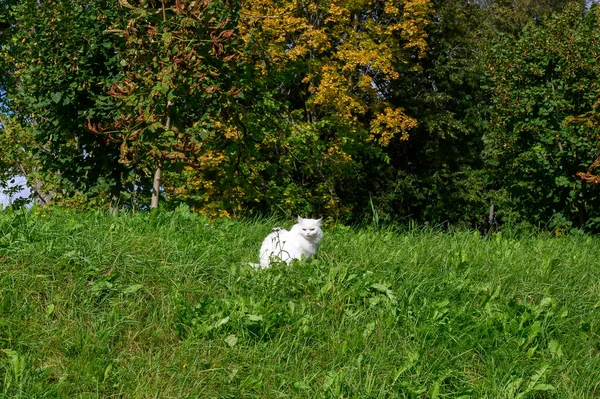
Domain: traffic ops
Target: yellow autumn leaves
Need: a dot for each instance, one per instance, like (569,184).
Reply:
(348,51)
(332,68)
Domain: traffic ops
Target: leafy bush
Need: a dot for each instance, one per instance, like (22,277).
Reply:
(540,83)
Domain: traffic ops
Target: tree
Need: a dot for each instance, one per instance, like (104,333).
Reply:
(317,112)
(540,83)
(120,91)
(174,75)
(60,64)
(439,174)
(510,16)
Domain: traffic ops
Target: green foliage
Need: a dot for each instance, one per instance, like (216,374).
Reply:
(539,83)
(93,92)
(18,161)
(510,16)
(437,175)
(315,114)
(12,156)
(134,305)
(410,110)
(173,73)
(60,63)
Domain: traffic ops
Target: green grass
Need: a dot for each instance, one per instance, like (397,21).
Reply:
(93,306)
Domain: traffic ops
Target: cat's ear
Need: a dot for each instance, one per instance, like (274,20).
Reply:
(320,221)
(300,220)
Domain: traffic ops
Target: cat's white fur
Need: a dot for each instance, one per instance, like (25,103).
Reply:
(282,245)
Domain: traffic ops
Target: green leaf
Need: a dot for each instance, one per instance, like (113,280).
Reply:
(56,97)
(539,374)
(562,181)
(543,387)
(49,310)
(369,328)
(231,340)
(255,318)
(380,287)
(301,385)
(326,288)
(555,349)
(222,322)
(132,289)
(107,372)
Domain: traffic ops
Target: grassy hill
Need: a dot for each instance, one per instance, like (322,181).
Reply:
(93,306)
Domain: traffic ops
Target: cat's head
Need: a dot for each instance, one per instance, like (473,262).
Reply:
(310,228)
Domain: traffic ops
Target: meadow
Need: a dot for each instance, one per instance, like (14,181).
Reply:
(165,306)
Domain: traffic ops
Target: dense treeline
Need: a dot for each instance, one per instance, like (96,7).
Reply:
(425,110)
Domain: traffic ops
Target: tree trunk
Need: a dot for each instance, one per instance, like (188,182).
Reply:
(42,198)
(115,194)
(581,212)
(156,187)
(156,181)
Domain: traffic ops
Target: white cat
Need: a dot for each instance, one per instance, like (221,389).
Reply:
(283,245)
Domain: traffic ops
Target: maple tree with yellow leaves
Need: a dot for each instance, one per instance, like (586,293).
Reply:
(349,51)
(319,98)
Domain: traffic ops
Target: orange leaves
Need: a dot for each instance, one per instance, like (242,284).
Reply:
(312,41)
(324,83)
(391,9)
(588,176)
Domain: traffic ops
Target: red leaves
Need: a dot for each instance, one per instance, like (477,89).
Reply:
(224,35)
(193,8)
(175,53)
(98,129)
(122,90)
(234,91)
(151,31)
(588,177)
(232,57)
(217,48)
(94,127)
(218,37)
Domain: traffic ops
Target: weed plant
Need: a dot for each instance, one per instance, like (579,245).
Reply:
(165,306)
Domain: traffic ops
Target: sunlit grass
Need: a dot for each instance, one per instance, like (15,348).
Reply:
(166,306)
